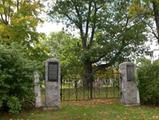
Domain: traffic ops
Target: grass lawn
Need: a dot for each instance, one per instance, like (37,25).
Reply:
(89,110)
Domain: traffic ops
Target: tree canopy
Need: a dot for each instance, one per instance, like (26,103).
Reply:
(150,10)
(66,48)
(18,20)
(108,34)
(106,31)
(18,23)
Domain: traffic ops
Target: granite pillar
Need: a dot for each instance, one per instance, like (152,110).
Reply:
(37,90)
(128,84)
(52,84)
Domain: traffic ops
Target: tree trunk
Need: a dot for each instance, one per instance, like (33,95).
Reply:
(88,77)
(156,15)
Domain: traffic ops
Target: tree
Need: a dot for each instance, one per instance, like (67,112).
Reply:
(156,15)
(65,47)
(18,22)
(107,33)
(149,9)
(20,52)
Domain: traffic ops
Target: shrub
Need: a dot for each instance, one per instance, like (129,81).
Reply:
(148,76)
(1,102)
(16,82)
(14,105)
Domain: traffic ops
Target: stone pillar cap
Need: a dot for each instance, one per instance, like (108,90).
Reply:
(126,63)
(52,59)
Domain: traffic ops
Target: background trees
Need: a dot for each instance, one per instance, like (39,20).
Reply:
(20,52)
(150,10)
(66,48)
(156,15)
(107,34)
(18,22)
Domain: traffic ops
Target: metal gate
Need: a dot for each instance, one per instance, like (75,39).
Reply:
(107,86)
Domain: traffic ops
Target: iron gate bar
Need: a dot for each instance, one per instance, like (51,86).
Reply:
(73,88)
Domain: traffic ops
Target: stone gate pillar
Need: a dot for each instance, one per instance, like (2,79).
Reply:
(37,90)
(128,84)
(52,83)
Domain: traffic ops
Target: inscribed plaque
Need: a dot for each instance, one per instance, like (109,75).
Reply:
(53,71)
(130,73)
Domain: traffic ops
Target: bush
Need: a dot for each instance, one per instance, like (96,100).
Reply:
(14,105)
(16,82)
(148,75)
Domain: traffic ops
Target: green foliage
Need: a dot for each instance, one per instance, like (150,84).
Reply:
(20,46)
(19,20)
(148,76)
(119,36)
(16,82)
(66,48)
(107,33)
(14,105)
(149,10)
(1,102)
(18,23)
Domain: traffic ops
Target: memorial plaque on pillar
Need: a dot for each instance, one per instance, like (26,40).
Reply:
(53,71)
(128,84)
(130,72)
(52,83)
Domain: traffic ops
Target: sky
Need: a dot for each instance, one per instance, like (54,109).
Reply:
(48,27)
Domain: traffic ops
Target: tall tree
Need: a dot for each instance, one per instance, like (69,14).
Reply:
(149,9)
(106,32)
(156,15)
(18,21)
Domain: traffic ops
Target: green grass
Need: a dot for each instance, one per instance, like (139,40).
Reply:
(88,110)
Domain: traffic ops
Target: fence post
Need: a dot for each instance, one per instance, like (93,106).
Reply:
(76,89)
(61,87)
(91,89)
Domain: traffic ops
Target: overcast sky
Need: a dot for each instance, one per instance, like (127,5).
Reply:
(48,27)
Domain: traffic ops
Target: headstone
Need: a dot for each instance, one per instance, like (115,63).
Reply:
(37,90)
(52,84)
(128,84)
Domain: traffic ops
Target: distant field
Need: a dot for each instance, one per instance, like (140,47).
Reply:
(89,110)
